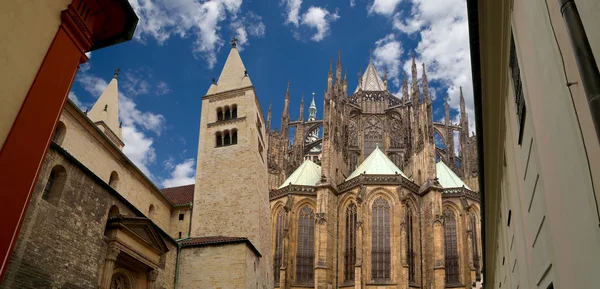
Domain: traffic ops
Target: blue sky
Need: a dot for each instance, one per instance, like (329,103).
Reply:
(180,45)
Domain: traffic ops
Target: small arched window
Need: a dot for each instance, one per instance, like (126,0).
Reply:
(219,114)
(226,138)
(114,180)
(234,111)
(227,113)
(219,139)
(55,185)
(305,256)
(451,248)
(380,247)
(151,212)
(350,253)
(234,136)
(59,133)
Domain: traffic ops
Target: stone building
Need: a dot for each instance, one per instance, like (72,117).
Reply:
(374,209)
(96,221)
(535,70)
(358,201)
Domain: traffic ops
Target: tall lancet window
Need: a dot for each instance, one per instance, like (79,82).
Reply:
(350,253)
(410,248)
(305,256)
(451,248)
(277,259)
(380,247)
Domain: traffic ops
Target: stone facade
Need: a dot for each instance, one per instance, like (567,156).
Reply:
(353,126)
(62,243)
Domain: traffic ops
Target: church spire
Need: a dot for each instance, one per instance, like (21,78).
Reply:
(330,75)
(105,111)
(416,97)
(338,68)
(404,88)
(425,84)
(301,117)
(285,115)
(312,110)
(385,79)
(463,112)
(234,74)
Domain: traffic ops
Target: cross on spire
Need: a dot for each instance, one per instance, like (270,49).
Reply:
(116,73)
(234,42)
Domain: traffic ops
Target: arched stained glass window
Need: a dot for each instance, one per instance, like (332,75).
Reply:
(305,257)
(277,259)
(380,247)
(451,248)
(350,253)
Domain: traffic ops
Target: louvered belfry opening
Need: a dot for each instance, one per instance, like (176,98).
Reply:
(410,252)
(305,257)
(380,248)
(277,258)
(451,248)
(350,253)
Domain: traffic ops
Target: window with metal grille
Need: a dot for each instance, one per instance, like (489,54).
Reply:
(380,247)
(451,248)
(518,86)
(475,246)
(410,252)
(305,257)
(350,254)
(279,223)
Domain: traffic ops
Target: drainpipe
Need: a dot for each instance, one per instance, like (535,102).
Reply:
(588,69)
(177,265)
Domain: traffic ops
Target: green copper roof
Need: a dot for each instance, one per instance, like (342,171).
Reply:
(377,163)
(307,174)
(447,178)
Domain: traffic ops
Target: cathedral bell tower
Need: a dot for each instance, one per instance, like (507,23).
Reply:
(231,199)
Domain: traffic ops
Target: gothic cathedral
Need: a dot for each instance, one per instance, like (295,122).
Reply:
(364,198)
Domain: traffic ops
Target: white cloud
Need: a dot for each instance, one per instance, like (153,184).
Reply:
(292,9)
(444,47)
(138,148)
(160,19)
(383,7)
(162,88)
(76,100)
(131,116)
(352,3)
(92,84)
(183,173)
(387,55)
(134,83)
(252,25)
(319,18)
(88,54)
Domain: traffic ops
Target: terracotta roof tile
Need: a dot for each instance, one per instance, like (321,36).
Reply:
(180,195)
(217,240)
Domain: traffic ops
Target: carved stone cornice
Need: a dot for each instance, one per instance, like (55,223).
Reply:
(293,190)
(461,192)
(226,122)
(227,94)
(378,180)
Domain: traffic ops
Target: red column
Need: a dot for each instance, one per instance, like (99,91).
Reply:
(23,152)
